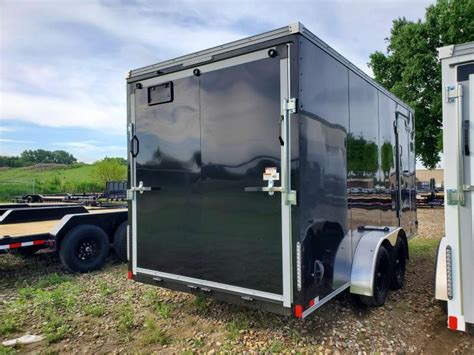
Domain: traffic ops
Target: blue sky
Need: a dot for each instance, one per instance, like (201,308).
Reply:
(63,63)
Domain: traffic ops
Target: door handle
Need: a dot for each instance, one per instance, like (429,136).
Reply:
(270,188)
(290,196)
(134,146)
(141,189)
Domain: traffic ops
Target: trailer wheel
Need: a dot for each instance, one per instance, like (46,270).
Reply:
(84,248)
(120,241)
(381,280)
(399,265)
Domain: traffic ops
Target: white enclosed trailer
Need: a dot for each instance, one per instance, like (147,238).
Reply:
(455,259)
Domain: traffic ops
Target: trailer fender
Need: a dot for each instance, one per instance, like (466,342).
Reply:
(107,221)
(365,257)
(441,279)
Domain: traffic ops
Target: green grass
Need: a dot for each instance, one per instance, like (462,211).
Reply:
(277,346)
(4,350)
(51,179)
(163,309)
(154,335)
(423,248)
(125,317)
(8,324)
(95,310)
(106,289)
(53,279)
(53,300)
(234,328)
(201,303)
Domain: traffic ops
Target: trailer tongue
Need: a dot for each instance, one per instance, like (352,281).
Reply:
(270,172)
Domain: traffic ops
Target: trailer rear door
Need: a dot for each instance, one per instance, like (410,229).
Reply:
(199,138)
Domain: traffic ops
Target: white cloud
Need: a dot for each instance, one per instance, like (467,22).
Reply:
(64,112)
(17,141)
(92,146)
(89,151)
(7,129)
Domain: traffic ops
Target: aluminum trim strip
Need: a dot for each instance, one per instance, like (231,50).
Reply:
(286,239)
(326,299)
(133,178)
(214,285)
(281,32)
(208,67)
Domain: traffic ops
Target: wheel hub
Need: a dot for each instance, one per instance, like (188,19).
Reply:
(87,250)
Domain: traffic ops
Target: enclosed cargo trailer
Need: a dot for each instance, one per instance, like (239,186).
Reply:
(269,171)
(455,260)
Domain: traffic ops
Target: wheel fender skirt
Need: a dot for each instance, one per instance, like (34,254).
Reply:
(441,276)
(365,256)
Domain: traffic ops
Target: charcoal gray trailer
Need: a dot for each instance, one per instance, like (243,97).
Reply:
(455,261)
(270,172)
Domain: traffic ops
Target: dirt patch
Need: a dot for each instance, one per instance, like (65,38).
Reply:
(105,312)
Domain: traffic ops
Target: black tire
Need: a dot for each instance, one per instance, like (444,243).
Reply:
(26,252)
(120,241)
(399,262)
(381,280)
(84,248)
(443,305)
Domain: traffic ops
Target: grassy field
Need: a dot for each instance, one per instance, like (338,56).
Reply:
(46,178)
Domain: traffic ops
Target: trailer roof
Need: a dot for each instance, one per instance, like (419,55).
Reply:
(207,55)
(456,50)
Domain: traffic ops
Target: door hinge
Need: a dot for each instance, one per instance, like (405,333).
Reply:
(290,198)
(290,105)
(130,195)
(468,188)
(452,93)
(455,197)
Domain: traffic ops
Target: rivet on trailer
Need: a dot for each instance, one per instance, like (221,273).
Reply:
(269,172)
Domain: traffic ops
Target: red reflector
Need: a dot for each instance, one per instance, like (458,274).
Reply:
(298,311)
(311,303)
(38,242)
(453,323)
(15,245)
(129,275)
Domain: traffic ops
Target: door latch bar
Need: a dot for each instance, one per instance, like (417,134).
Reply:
(141,189)
(452,93)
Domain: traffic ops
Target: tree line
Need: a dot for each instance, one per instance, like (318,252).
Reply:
(38,156)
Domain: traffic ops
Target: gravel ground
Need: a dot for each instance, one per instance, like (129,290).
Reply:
(104,312)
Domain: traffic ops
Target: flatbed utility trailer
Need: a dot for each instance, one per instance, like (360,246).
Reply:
(81,236)
(269,172)
(455,259)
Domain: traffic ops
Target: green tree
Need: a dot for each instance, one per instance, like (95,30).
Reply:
(109,169)
(411,70)
(47,157)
